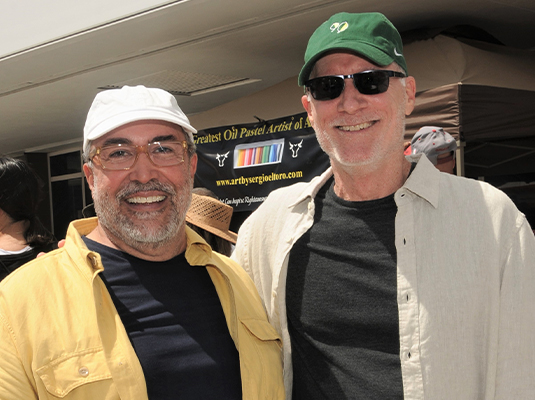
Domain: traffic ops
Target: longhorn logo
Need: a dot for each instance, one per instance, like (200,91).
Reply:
(294,147)
(221,158)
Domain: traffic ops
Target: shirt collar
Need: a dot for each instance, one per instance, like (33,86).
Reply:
(313,187)
(424,181)
(198,252)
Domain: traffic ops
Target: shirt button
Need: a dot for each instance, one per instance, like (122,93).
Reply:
(83,371)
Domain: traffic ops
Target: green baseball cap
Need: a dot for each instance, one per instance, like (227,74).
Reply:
(370,35)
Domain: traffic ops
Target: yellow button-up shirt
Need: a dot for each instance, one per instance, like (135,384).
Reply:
(61,336)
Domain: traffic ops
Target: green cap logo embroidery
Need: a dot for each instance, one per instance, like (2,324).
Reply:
(339,27)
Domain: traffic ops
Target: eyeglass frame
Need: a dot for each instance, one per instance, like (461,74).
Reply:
(139,149)
(390,74)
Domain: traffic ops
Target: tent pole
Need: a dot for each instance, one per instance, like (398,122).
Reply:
(459,156)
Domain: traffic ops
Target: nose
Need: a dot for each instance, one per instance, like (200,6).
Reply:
(351,100)
(143,170)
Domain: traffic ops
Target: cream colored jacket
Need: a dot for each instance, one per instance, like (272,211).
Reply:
(61,336)
(466,283)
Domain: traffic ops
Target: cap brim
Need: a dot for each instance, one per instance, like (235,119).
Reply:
(144,114)
(364,50)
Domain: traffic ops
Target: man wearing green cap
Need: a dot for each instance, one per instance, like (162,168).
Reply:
(386,278)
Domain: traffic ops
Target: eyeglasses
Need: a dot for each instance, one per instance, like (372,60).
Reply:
(119,157)
(366,82)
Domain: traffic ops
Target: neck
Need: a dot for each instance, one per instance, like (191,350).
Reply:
(368,182)
(145,251)
(12,235)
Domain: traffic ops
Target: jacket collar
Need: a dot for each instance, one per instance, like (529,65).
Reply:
(198,252)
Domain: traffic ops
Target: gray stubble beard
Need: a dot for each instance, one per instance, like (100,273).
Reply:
(141,236)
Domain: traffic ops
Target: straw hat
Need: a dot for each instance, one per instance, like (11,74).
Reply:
(212,215)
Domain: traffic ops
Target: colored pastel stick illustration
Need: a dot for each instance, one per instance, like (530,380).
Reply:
(265,155)
(258,158)
(273,153)
(241,158)
(248,156)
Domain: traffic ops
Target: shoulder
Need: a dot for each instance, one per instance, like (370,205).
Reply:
(36,271)
(284,200)
(470,190)
(46,282)
(481,207)
(229,267)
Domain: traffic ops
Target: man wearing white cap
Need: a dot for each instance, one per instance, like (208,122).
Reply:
(136,305)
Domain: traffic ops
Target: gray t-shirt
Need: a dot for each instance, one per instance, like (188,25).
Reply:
(341,302)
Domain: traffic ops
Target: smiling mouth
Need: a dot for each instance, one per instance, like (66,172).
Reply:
(146,200)
(355,128)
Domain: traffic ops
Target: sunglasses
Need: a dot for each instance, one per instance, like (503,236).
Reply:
(367,82)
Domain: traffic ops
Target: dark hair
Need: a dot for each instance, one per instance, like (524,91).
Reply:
(20,194)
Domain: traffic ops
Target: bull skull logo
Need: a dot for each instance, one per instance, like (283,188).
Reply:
(221,158)
(294,147)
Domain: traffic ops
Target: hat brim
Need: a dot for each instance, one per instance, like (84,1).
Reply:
(227,235)
(364,50)
(142,114)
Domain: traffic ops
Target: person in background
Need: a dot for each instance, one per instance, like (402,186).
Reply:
(136,305)
(22,235)
(210,218)
(388,279)
(437,145)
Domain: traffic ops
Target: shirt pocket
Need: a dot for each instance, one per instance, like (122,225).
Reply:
(73,370)
(260,360)
(261,330)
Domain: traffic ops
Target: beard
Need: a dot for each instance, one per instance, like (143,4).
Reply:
(139,229)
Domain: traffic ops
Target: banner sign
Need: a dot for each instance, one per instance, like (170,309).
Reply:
(242,164)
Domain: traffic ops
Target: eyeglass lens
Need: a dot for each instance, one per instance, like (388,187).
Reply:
(122,156)
(367,82)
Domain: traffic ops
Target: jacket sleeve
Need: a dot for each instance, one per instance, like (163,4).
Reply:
(516,344)
(14,382)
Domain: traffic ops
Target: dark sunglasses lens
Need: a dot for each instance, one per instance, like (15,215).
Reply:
(373,82)
(326,87)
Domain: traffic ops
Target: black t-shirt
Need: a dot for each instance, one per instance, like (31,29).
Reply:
(341,299)
(176,325)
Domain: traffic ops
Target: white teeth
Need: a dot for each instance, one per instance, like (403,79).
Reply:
(352,128)
(150,199)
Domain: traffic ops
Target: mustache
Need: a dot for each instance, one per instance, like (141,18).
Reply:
(135,187)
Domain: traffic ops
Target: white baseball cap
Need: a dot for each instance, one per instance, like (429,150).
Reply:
(117,107)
